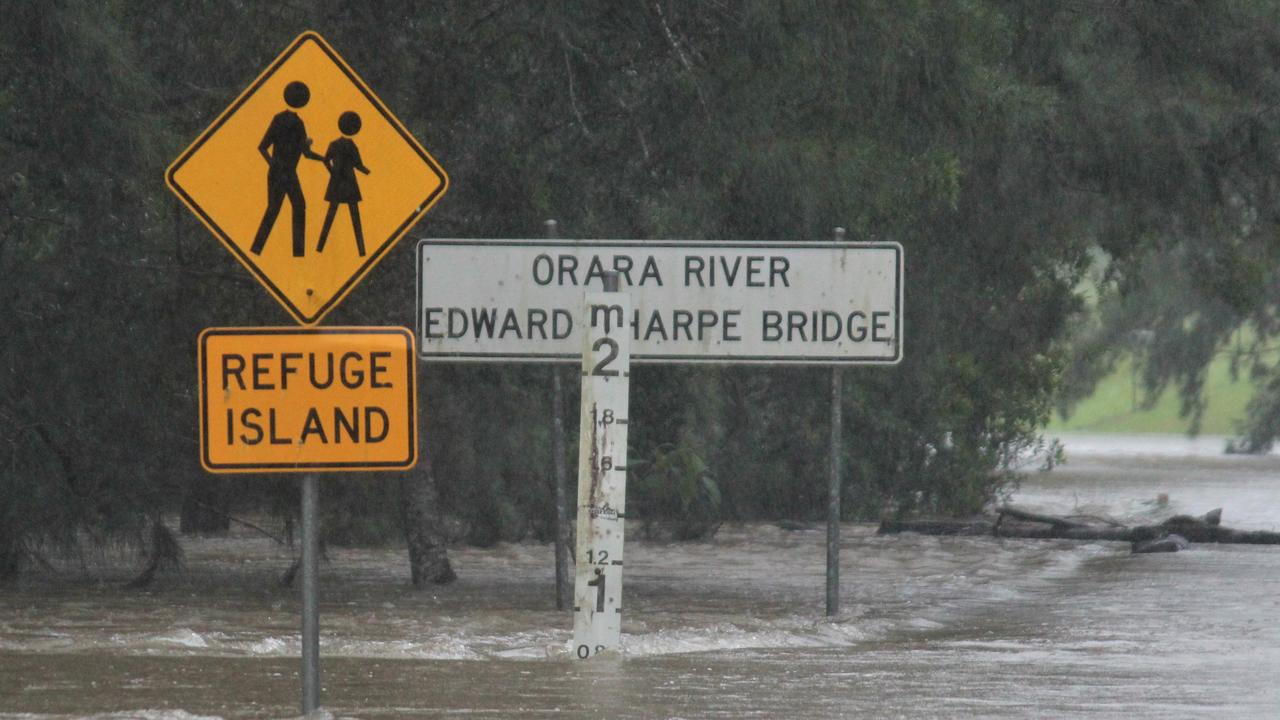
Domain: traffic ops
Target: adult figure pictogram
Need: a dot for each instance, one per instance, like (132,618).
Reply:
(343,160)
(287,140)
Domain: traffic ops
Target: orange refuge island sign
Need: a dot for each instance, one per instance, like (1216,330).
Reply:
(307,178)
(307,399)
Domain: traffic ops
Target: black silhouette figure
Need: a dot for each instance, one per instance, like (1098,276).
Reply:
(288,141)
(343,159)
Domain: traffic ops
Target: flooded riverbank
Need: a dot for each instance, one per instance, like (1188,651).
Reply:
(732,627)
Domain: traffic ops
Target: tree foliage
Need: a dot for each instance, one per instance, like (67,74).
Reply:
(1187,197)
(998,141)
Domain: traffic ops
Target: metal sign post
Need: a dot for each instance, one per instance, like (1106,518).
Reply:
(833,485)
(564,587)
(310,594)
(602,471)
(833,500)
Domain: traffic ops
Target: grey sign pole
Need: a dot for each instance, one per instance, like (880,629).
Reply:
(310,594)
(564,589)
(833,487)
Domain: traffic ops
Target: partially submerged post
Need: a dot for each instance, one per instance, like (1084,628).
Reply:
(563,588)
(833,485)
(310,594)
(602,470)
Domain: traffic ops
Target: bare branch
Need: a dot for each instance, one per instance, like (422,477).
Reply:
(683,58)
(573,96)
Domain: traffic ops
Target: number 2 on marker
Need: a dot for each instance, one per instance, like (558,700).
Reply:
(612,355)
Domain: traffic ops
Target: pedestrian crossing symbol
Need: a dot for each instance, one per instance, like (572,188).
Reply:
(308,179)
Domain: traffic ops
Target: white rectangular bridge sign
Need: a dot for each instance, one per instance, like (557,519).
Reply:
(692,301)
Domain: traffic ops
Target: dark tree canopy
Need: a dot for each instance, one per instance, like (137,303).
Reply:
(1002,143)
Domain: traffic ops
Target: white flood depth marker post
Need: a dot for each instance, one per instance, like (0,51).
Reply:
(602,471)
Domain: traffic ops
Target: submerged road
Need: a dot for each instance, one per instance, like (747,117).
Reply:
(730,628)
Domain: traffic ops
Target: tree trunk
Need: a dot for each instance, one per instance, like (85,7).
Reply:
(164,551)
(428,556)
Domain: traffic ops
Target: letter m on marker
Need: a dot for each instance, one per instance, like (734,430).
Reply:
(609,314)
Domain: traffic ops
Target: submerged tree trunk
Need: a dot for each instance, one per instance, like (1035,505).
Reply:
(163,550)
(428,556)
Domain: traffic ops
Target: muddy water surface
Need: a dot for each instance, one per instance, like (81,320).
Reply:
(732,628)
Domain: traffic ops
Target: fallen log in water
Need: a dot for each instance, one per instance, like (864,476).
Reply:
(940,526)
(1169,543)
(1228,535)
(1053,520)
(1015,523)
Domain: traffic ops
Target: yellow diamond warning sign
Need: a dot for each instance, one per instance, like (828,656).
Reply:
(307,178)
(307,399)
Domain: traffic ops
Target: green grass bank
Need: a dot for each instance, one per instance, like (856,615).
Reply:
(1115,407)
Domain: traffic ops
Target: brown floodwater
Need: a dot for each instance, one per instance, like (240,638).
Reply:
(732,627)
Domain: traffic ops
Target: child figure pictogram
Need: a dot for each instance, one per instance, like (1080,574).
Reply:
(343,160)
